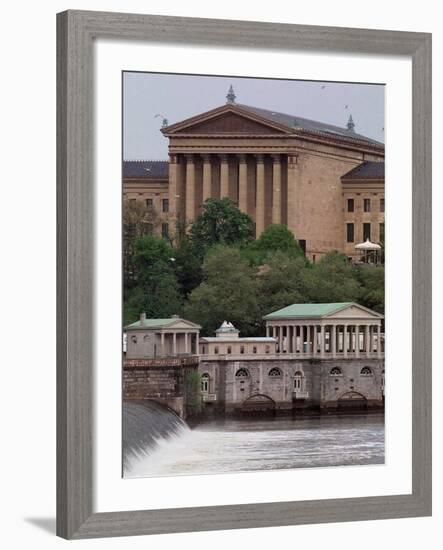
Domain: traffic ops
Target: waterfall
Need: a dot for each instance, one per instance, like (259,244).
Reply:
(147,424)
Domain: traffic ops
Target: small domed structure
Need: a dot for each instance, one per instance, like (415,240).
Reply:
(369,252)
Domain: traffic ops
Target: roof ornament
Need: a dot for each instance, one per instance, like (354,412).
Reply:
(230,97)
(165,121)
(350,125)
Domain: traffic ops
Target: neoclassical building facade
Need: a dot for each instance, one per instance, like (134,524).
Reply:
(277,167)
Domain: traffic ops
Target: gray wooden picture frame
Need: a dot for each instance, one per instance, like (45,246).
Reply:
(76,32)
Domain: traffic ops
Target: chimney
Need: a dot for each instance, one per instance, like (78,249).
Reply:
(142,318)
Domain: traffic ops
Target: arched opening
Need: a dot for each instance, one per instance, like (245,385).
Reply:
(205,382)
(275,373)
(352,400)
(258,404)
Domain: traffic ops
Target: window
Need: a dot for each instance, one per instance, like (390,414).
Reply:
(298,376)
(366,205)
(242,373)
(382,205)
(366,371)
(254,349)
(165,230)
(350,205)
(335,371)
(165,205)
(229,349)
(149,203)
(383,379)
(267,349)
(274,372)
(366,231)
(134,339)
(350,232)
(132,201)
(382,233)
(302,243)
(149,228)
(216,350)
(242,349)
(205,382)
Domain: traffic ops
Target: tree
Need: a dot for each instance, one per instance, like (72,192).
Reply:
(331,279)
(187,266)
(280,282)
(157,290)
(221,222)
(279,237)
(227,292)
(372,280)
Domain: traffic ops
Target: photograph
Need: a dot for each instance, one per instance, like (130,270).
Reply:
(253,273)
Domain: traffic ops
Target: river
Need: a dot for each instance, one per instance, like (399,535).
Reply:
(242,445)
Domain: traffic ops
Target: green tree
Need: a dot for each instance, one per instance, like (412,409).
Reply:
(228,291)
(187,266)
(279,237)
(280,282)
(372,281)
(221,222)
(157,290)
(331,279)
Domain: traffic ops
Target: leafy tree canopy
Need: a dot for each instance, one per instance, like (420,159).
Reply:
(221,222)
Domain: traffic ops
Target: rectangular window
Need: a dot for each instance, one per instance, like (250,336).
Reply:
(132,201)
(382,205)
(366,205)
(149,203)
(350,232)
(302,243)
(254,349)
(229,350)
(350,205)
(382,232)
(165,203)
(216,350)
(165,230)
(366,231)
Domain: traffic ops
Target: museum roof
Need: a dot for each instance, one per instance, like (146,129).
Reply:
(366,170)
(145,168)
(312,126)
(307,310)
(158,323)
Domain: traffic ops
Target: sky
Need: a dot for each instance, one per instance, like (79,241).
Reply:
(150,97)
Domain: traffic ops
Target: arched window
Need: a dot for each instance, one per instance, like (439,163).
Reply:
(134,339)
(366,371)
(335,371)
(298,379)
(242,373)
(274,372)
(205,382)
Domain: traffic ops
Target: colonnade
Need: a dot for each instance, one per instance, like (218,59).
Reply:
(333,340)
(179,342)
(186,173)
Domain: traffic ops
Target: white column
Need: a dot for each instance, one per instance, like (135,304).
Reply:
(367,342)
(163,342)
(334,342)
(260,196)
(186,343)
(207,177)
(294,338)
(357,340)
(378,342)
(314,340)
(322,341)
(267,331)
(345,340)
(174,343)
(276,189)
(243,184)
(197,343)
(190,188)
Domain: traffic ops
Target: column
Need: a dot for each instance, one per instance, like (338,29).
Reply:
(190,188)
(276,189)
(207,177)
(173,186)
(174,343)
(367,342)
(186,343)
(294,338)
(267,331)
(345,340)
(378,342)
(322,341)
(334,342)
(197,343)
(288,339)
(371,338)
(260,197)
(162,336)
(243,184)
(357,340)
(314,340)
(293,177)
(224,176)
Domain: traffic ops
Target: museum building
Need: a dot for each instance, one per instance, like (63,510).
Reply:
(326,183)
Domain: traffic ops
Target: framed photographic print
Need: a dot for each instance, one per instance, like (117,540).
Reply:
(243,249)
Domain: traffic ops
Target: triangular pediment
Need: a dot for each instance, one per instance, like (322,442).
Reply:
(226,120)
(181,324)
(354,311)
